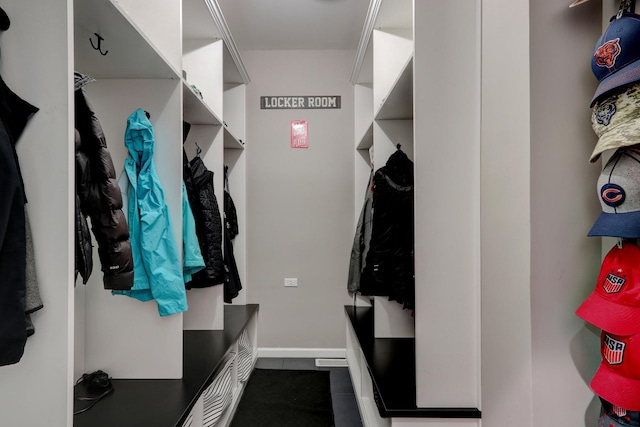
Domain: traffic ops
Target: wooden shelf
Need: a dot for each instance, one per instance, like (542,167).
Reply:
(196,111)
(366,140)
(130,54)
(230,141)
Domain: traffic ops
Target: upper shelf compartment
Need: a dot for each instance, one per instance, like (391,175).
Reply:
(198,22)
(395,14)
(203,20)
(211,62)
(124,51)
(398,104)
(393,74)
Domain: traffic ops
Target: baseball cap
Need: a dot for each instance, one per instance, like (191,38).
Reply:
(616,120)
(616,58)
(617,379)
(619,192)
(614,304)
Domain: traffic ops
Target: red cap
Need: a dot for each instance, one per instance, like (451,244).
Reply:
(614,305)
(617,380)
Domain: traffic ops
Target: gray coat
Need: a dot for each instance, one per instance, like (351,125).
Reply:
(361,240)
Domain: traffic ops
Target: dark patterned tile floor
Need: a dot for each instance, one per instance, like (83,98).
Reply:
(345,406)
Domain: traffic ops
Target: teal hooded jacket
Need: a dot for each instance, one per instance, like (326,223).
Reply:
(156,262)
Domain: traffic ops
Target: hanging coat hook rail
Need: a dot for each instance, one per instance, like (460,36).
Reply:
(99,43)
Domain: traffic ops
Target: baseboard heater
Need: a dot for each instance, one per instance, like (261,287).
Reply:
(337,362)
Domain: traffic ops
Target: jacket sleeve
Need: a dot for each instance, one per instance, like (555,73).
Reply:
(191,256)
(160,250)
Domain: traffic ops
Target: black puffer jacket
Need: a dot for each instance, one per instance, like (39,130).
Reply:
(204,204)
(99,198)
(389,267)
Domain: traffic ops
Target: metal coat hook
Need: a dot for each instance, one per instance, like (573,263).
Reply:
(98,47)
(198,150)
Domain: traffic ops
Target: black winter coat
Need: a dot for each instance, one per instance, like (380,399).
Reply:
(206,213)
(233,284)
(99,198)
(14,115)
(389,267)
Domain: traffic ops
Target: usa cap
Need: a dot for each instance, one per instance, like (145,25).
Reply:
(614,304)
(616,120)
(617,379)
(616,57)
(619,193)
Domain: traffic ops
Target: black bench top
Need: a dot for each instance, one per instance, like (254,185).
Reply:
(167,402)
(392,366)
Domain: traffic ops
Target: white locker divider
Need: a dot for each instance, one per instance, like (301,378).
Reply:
(427,101)
(144,46)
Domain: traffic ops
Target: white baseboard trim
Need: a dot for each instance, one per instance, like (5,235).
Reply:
(323,353)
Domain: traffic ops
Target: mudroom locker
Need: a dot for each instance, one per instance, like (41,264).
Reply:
(489,99)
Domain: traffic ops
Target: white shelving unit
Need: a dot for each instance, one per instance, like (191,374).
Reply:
(209,66)
(385,81)
(145,47)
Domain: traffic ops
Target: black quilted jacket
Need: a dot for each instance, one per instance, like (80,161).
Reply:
(99,198)
(389,267)
(206,213)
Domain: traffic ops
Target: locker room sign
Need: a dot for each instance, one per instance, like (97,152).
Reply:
(299,102)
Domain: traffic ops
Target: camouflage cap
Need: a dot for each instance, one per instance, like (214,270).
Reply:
(616,121)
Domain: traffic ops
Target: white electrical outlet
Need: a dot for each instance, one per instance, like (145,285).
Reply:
(290,282)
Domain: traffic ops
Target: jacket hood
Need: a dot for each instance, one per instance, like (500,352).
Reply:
(15,112)
(399,168)
(139,138)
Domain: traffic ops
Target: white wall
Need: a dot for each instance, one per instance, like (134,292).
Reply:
(538,203)
(564,261)
(299,201)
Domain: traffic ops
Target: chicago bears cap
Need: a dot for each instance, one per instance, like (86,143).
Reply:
(614,304)
(616,120)
(619,193)
(615,61)
(617,379)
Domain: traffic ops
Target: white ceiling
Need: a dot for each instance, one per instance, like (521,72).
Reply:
(295,24)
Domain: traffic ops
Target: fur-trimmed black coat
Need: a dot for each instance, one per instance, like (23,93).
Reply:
(389,267)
